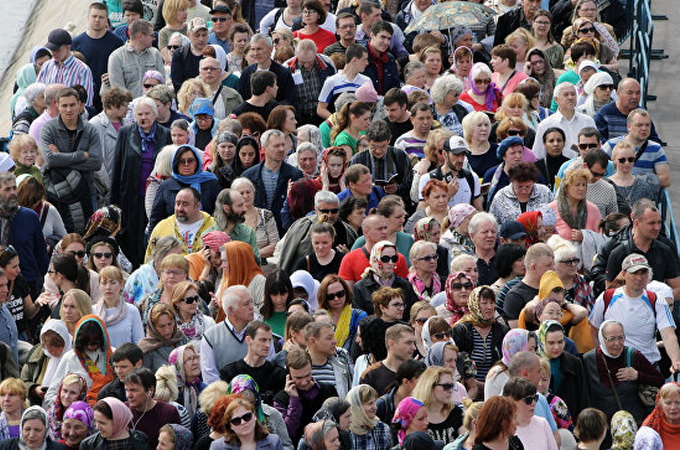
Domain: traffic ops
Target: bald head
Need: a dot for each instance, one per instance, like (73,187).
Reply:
(210,71)
(375,229)
(629,94)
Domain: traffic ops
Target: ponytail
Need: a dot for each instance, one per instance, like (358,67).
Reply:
(82,280)
(341,121)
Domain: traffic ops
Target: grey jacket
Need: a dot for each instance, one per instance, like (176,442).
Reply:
(277,425)
(108,136)
(343,370)
(126,67)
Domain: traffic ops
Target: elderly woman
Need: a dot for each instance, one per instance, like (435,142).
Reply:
(436,197)
(599,89)
(456,239)
(185,361)
(511,152)
(335,297)
(540,69)
(144,280)
(423,274)
(137,147)
(122,319)
(567,263)
(476,130)
(428,229)
(415,76)
(445,93)
(71,389)
(306,159)
(520,41)
(514,105)
(162,337)
(664,418)
(631,187)
(523,194)
(459,285)
(574,212)
(614,373)
(78,424)
(173,269)
(32,433)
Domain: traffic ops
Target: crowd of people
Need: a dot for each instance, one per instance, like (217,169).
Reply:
(325,225)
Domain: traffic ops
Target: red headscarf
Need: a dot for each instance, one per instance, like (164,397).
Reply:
(530,221)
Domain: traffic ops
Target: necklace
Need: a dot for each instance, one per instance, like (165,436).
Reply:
(134,425)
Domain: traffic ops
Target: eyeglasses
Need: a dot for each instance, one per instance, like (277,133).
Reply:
(149,86)
(484,81)
(629,159)
(236,421)
(186,162)
(445,386)
(529,399)
(329,211)
(386,259)
(586,30)
(103,255)
(587,146)
(397,305)
(51,271)
(515,133)
(307,12)
(276,41)
(173,47)
(460,286)
(191,300)
(571,262)
(428,258)
(9,251)
(334,295)
(609,87)
(544,23)
(537,62)
(79,253)
(554,313)
(615,338)
(219,19)
(191,358)
(442,334)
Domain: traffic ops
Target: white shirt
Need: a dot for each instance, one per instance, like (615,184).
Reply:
(571,129)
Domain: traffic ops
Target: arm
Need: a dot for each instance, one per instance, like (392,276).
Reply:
(272,235)
(92,149)
(674,283)
(670,342)
(322,110)
(578,311)
(115,70)
(663,171)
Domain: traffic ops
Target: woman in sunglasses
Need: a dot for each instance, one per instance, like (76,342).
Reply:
(186,303)
(631,187)
(483,94)
(434,389)
(175,15)
(122,319)
(423,274)
(243,430)
(335,297)
(534,431)
(567,264)
(102,252)
(459,285)
(599,89)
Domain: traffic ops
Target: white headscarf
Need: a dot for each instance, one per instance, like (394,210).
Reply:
(600,336)
(58,327)
(34,412)
(302,279)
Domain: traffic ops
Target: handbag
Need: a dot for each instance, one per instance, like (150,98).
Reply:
(646,392)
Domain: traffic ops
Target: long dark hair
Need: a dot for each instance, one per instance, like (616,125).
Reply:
(277,282)
(67,265)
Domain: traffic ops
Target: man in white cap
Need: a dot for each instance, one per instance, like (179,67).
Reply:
(640,312)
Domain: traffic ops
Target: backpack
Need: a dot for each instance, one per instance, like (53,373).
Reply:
(437,174)
(609,293)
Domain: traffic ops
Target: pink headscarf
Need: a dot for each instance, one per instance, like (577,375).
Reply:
(404,414)
(214,240)
(459,213)
(121,416)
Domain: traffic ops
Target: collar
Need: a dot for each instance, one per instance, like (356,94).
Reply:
(232,328)
(318,62)
(383,58)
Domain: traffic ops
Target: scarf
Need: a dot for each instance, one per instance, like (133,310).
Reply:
(56,412)
(380,60)
(458,310)
(316,432)
(343,328)
(491,93)
(529,220)
(376,267)
(515,341)
(361,423)
(546,80)
(459,213)
(189,389)
(194,328)
(242,269)
(647,438)
(81,411)
(153,339)
(4,427)
(60,328)
(118,314)
(474,315)
(600,338)
(624,428)
(542,334)
(34,412)
(404,414)
(183,438)
(422,231)
(467,81)
(104,222)
(435,354)
(421,289)
(242,383)
(199,177)
(122,416)
(148,139)
(101,371)
(6,220)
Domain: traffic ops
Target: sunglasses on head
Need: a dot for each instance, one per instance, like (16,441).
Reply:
(386,259)
(9,251)
(236,421)
(329,211)
(630,159)
(586,146)
(334,295)
(459,286)
(442,334)
(529,399)
(79,253)
(190,300)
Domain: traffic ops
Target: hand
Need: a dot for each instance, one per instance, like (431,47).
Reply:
(290,344)
(391,188)
(453,187)
(627,374)
(87,155)
(205,255)
(45,299)
(53,148)
(343,248)
(290,388)
(105,79)
(675,367)
(324,176)
(40,391)
(342,183)
(438,35)
(576,236)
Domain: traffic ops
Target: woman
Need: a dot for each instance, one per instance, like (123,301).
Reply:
(306,158)
(553,141)
(434,158)
(476,129)
(599,89)
(558,408)
(337,410)
(162,336)
(415,76)
(239,35)
(175,15)
(32,433)
(541,28)
(350,124)
(208,429)
(532,430)
(43,359)
(497,424)
(68,272)
(566,370)
(19,301)
(173,436)
(509,265)
(241,431)
(577,288)
(14,400)
(180,133)
(628,369)
(224,155)
(434,389)
(380,272)
(431,57)
(113,421)
(456,239)
(174,269)
(335,297)
(574,212)
(323,260)
(459,285)
(247,155)
(664,418)
(515,341)
(282,118)
(523,194)
(259,219)
(144,280)
(409,417)
(74,305)
(278,293)
(186,172)
(313,16)
(531,90)
(71,389)
(588,9)
(31,194)
(445,354)
(479,326)
(137,147)
(423,274)
(428,230)
(511,151)
(321,435)
(353,212)
(332,170)
(191,89)
(435,196)
(591,428)
(122,319)
(104,226)
(503,62)
(185,360)
(520,41)
(162,170)
(240,268)
(463,58)
(445,93)
(470,420)
(516,106)
(584,28)
(541,70)
(188,308)
(631,187)
(366,430)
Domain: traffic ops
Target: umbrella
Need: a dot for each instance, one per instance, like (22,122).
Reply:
(451,14)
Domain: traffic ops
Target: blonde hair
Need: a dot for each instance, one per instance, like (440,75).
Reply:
(179,291)
(431,147)
(510,100)
(667,390)
(175,261)
(470,121)
(187,87)
(83,302)
(472,410)
(575,175)
(74,378)
(166,384)
(622,145)
(209,395)
(424,390)
(111,273)
(544,366)
(17,143)
(15,386)
(523,35)
(171,8)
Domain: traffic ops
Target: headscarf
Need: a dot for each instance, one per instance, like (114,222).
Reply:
(475,314)
(549,281)
(33,412)
(25,77)
(104,222)
(458,32)
(422,231)
(515,341)
(376,267)
(214,240)
(458,310)
(546,80)
(597,79)
(200,176)
(332,409)
(647,439)
(190,389)
(121,417)
(366,93)
(153,74)
(459,213)
(600,336)
(81,411)
(361,424)
(242,269)
(303,279)
(316,432)
(491,93)
(529,220)
(575,221)
(623,428)
(183,438)
(549,215)
(242,383)
(56,412)
(101,373)
(404,414)
(153,339)
(220,56)
(467,81)
(541,306)
(420,440)
(58,327)
(542,334)
(435,353)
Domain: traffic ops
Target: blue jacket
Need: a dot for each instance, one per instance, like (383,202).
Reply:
(390,76)
(27,238)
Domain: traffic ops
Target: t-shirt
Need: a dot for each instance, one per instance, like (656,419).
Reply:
(658,256)
(151,421)
(16,303)
(188,232)
(398,128)
(517,298)
(339,83)
(537,435)
(261,110)
(379,377)
(324,373)
(411,144)
(447,430)
(269,377)
(322,38)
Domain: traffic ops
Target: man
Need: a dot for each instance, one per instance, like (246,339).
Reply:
(221,19)
(64,68)
(261,49)
(463,184)
(125,359)
(389,166)
(360,184)
(370,13)
(96,44)
(349,79)
(600,192)
(269,377)
(310,71)
(374,228)
(538,260)
(483,230)
(398,115)
(264,88)
(225,343)
(185,60)
(225,98)
(401,343)
(588,139)
(128,64)
(51,111)
(650,156)
(566,118)
(413,141)
(297,242)
(382,67)
(640,311)
(163,96)
(329,364)
(187,224)
(612,119)
(346,28)
(513,232)
(71,147)
(272,176)
(514,19)
(230,213)
(303,395)
(132,10)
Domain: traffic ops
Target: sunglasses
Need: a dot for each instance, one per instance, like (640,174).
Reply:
(334,295)
(442,334)
(191,300)
(485,81)
(236,421)
(515,133)
(421,320)
(103,255)
(329,211)
(173,47)
(276,41)
(586,146)
(429,258)
(607,86)
(586,30)
(387,259)
(79,253)
(149,86)
(445,386)
(459,286)
(10,251)
(529,399)
(571,262)
(183,162)
(598,174)
(219,19)
(629,159)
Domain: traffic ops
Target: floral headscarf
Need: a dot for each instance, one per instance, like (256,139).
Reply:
(104,222)
(647,439)
(56,412)
(542,334)
(459,213)
(377,267)
(404,414)
(81,411)
(458,310)
(491,93)
(475,314)
(190,390)
(623,428)
(361,424)
(530,221)
(242,383)
(182,438)
(422,231)
(515,341)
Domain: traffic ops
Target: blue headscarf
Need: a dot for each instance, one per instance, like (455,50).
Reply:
(200,176)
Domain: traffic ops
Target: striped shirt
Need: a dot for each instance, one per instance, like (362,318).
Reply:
(324,374)
(71,72)
(339,83)
(652,156)
(482,353)
(411,144)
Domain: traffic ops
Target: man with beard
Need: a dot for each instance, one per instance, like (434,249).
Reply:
(188,224)
(20,227)
(230,213)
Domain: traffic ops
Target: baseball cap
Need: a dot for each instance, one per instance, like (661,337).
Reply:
(57,38)
(456,145)
(512,230)
(635,262)
(507,143)
(197,23)
(221,9)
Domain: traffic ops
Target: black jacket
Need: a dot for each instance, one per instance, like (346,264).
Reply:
(113,389)
(462,335)
(509,22)
(573,387)
(363,289)
(287,92)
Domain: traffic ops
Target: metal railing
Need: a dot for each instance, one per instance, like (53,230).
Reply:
(668,218)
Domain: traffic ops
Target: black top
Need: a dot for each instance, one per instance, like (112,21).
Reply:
(514,444)
(311,264)
(269,377)
(398,128)
(517,298)
(261,110)
(447,430)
